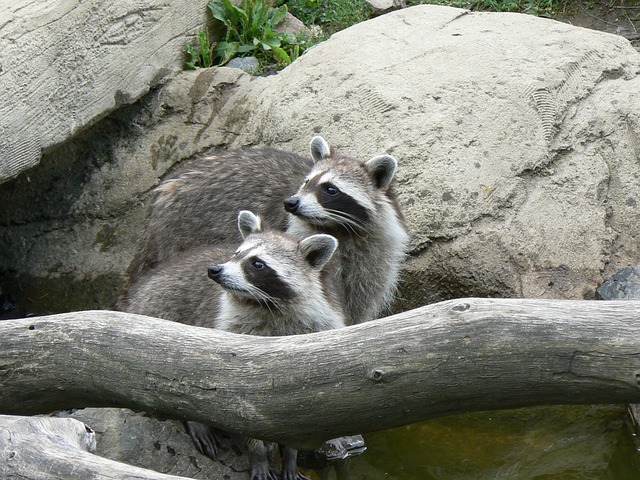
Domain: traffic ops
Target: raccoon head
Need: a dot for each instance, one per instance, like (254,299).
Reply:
(342,193)
(271,268)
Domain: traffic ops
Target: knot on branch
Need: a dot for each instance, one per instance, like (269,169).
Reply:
(461,307)
(378,375)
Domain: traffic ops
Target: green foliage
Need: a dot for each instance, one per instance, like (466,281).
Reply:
(250,29)
(534,7)
(331,15)
(200,57)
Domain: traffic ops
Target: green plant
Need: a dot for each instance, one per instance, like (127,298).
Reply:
(534,7)
(201,56)
(250,29)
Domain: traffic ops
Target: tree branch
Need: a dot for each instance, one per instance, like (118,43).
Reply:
(447,358)
(53,448)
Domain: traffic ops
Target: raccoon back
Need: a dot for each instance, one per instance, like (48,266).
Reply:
(199,206)
(179,290)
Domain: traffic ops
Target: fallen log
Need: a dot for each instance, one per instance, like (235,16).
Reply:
(442,359)
(54,448)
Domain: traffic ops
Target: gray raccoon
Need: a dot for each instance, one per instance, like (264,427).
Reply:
(272,285)
(290,296)
(200,205)
(363,213)
(355,202)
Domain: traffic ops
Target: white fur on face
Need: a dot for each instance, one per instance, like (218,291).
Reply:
(348,188)
(310,208)
(232,279)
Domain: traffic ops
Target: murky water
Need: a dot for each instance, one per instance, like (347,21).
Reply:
(544,443)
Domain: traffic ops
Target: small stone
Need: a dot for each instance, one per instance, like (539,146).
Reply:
(247,64)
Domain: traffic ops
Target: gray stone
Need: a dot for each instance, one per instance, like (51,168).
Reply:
(622,285)
(69,249)
(250,65)
(516,140)
(163,446)
(66,66)
(384,6)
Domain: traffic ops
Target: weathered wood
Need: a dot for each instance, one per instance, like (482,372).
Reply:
(455,356)
(53,448)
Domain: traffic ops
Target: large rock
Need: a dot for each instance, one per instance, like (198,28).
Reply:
(516,139)
(66,66)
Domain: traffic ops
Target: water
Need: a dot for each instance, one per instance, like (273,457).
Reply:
(543,443)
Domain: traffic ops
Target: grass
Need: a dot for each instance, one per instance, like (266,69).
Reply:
(533,7)
(330,15)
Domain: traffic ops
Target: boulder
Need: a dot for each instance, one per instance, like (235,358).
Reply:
(143,441)
(69,249)
(516,142)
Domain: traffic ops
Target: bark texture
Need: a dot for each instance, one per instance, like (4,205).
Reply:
(455,356)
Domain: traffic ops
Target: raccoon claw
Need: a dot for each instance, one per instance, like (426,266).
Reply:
(261,475)
(204,438)
(292,475)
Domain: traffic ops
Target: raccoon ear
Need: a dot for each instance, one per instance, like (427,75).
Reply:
(319,148)
(318,249)
(249,223)
(381,169)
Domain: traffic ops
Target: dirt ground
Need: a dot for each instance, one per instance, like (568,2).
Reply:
(620,17)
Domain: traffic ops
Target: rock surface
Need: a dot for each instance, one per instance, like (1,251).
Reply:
(164,446)
(517,165)
(66,66)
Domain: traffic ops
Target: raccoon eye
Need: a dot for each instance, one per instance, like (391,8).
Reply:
(257,264)
(331,190)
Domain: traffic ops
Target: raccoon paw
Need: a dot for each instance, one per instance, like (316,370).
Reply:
(287,474)
(204,438)
(260,474)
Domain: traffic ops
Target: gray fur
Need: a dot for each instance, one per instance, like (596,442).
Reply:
(317,304)
(194,209)
(318,249)
(200,203)
(180,290)
(249,223)
(319,148)
(369,255)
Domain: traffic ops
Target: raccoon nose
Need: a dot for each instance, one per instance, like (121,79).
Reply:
(291,204)
(215,271)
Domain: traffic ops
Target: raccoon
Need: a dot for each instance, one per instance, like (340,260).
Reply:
(347,198)
(200,205)
(271,285)
(355,202)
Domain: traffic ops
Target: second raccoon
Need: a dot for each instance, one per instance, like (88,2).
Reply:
(272,285)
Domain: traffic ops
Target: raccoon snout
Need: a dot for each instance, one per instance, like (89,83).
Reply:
(214,272)
(291,204)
